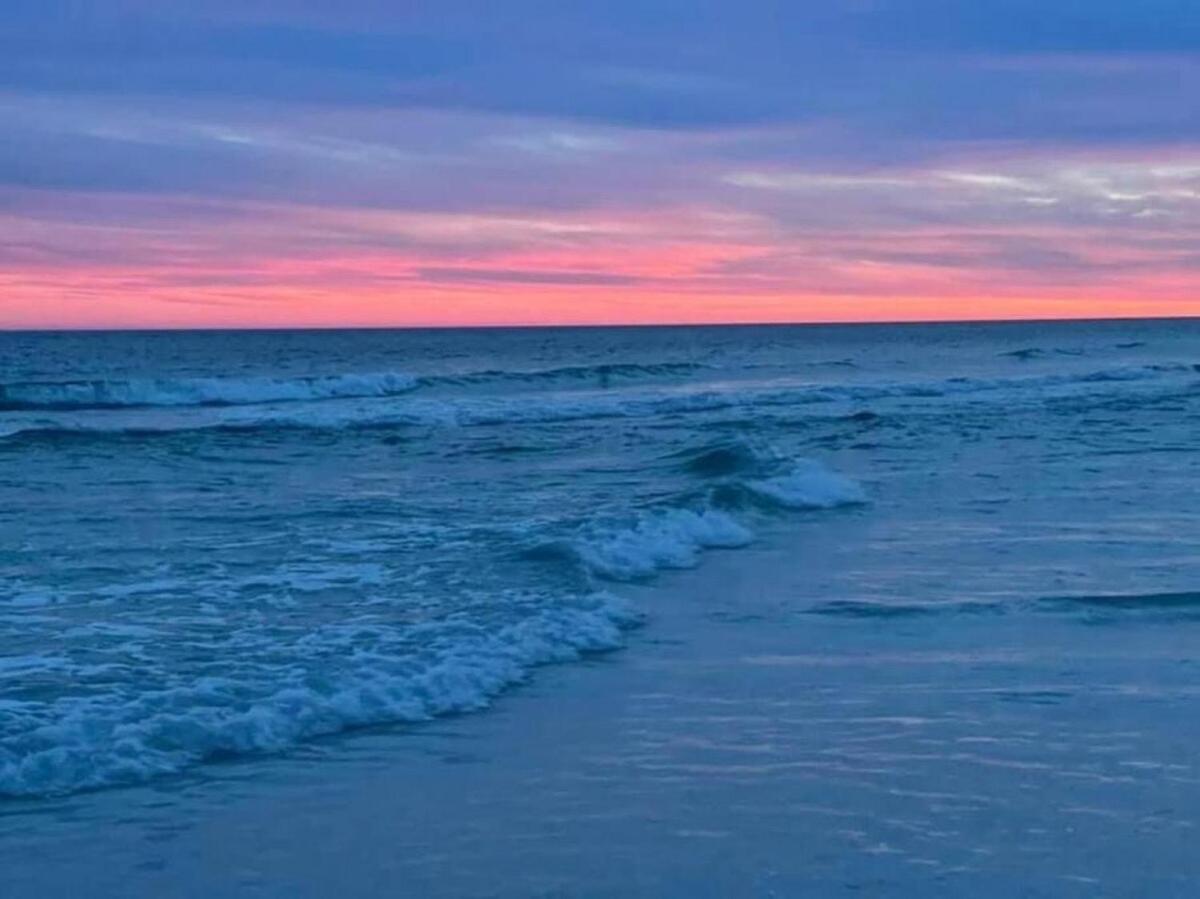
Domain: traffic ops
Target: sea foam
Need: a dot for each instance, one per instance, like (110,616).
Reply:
(675,537)
(107,741)
(404,674)
(809,485)
(671,538)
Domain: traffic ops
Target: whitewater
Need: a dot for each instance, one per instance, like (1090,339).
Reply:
(794,562)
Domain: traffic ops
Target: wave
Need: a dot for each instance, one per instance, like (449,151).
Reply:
(675,538)
(358,407)
(101,743)
(722,458)
(141,392)
(1186,601)
(669,539)
(122,393)
(652,542)
(1026,354)
(872,609)
(1182,604)
(809,485)
(602,374)
(386,674)
(748,471)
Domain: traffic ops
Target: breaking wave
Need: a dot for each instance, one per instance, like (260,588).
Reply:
(359,674)
(670,539)
(87,744)
(809,485)
(675,538)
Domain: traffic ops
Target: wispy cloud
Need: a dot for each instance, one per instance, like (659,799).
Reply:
(565,160)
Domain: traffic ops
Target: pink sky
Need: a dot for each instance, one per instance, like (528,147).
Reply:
(150,262)
(1028,242)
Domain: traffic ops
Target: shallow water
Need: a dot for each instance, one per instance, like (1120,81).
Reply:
(954,559)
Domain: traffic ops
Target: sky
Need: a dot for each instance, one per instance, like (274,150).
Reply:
(251,163)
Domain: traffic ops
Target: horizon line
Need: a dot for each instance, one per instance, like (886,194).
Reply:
(151,329)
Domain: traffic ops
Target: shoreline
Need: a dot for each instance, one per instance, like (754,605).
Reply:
(739,744)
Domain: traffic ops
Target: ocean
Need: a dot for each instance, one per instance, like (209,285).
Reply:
(899,608)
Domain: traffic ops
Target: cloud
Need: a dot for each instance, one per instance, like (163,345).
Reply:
(696,148)
(460,275)
(885,66)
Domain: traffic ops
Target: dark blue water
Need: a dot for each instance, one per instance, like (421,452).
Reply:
(224,545)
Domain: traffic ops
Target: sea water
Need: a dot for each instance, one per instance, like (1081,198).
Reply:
(224,546)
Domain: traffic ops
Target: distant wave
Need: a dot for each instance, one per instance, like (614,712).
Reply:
(1028,354)
(251,400)
(119,393)
(874,609)
(1182,604)
(1186,601)
(1185,604)
(123,393)
(600,374)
